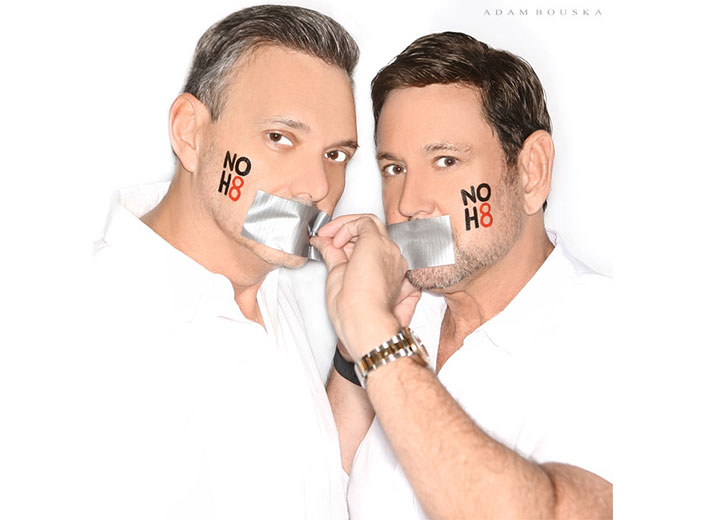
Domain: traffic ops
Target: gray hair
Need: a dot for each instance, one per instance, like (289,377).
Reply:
(296,28)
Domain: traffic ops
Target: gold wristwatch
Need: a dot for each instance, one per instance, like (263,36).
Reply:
(404,344)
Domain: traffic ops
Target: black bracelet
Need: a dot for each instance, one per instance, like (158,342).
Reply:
(345,368)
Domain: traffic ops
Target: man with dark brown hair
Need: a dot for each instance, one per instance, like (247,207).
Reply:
(506,416)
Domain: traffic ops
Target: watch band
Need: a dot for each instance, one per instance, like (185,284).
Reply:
(345,368)
(403,344)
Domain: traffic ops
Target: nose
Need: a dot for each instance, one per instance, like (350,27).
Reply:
(310,181)
(416,199)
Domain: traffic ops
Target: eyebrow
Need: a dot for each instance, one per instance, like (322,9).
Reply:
(294,124)
(447,147)
(347,143)
(386,156)
(443,146)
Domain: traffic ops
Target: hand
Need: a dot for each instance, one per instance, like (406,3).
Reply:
(365,277)
(406,302)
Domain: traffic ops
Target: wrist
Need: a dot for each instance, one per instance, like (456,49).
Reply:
(345,367)
(404,344)
(399,370)
(370,333)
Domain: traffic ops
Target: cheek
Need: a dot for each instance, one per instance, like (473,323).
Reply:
(232,178)
(336,185)
(474,208)
(391,194)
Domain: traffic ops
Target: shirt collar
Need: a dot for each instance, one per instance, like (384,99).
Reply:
(193,288)
(539,303)
(534,309)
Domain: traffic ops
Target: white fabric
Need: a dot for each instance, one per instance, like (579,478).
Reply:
(199,412)
(534,377)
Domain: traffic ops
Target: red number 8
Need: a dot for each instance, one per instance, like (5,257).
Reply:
(236,187)
(485,209)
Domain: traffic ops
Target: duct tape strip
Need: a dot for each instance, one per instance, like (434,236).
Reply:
(287,225)
(321,220)
(283,224)
(424,242)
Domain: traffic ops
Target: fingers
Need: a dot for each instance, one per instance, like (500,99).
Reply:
(407,289)
(406,302)
(352,230)
(336,242)
(330,229)
(332,256)
(349,248)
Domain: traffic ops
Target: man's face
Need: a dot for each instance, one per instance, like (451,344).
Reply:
(288,128)
(438,156)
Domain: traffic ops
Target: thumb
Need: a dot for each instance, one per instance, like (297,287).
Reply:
(332,256)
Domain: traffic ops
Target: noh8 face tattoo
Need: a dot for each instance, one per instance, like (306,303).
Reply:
(474,199)
(237,167)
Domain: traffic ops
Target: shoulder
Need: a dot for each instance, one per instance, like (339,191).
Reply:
(577,281)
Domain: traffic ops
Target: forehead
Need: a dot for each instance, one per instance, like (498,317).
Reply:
(434,113)
(276,80)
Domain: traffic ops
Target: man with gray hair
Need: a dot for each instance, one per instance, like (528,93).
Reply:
(211,404)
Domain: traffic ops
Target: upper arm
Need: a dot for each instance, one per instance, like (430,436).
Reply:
(578,493)
(353,415)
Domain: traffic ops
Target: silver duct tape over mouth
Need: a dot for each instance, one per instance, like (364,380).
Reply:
(425,242)
(321,220)
(284,224)
(287,225)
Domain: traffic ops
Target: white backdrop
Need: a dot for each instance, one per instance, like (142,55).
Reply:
(85,90)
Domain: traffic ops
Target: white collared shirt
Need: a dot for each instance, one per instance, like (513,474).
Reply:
(200,412)
(534,377)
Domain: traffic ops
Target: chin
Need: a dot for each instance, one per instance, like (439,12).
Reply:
(436,278)
(293,262)
(279,258)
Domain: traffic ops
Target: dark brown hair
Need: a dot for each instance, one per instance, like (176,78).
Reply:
(513,99)
(296,28)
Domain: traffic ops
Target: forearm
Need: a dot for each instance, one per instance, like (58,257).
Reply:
(353,415)
(455,469)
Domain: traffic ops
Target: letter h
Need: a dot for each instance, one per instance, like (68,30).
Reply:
(469,220)
(224,184)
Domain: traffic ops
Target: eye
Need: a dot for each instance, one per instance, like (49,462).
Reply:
(337,156)
(393,169)
(279,139)
(446,162)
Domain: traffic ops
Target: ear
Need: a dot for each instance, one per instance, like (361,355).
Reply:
(535,163)
(188,118)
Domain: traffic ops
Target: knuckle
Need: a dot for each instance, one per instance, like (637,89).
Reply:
(367,219)
(404,264)
(392,246)
(370,219)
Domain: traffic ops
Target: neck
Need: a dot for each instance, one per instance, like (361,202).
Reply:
(186,224)
(483,295)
